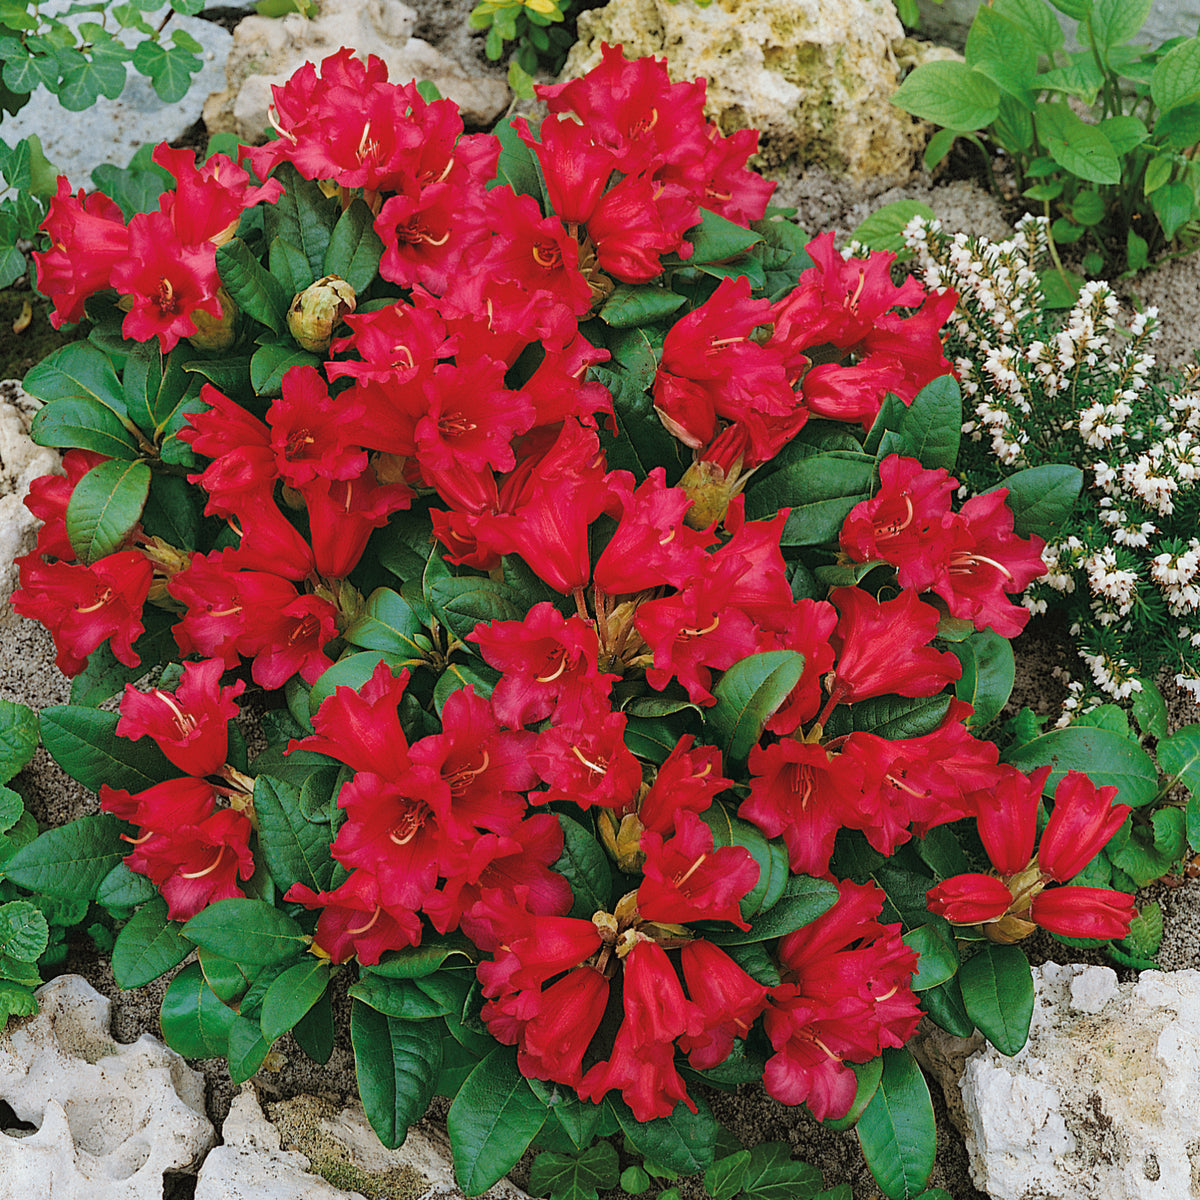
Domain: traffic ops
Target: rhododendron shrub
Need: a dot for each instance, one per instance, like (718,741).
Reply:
(621,658)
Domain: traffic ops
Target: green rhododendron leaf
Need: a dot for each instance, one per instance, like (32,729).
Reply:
(716,238)
(748,695)
(989,670)
(491,1123)
(939,956)
(148,946)
(631,305)
(997,990)
(248,931)
(1106,757)
(105,506)
(896,1130)
(517,166)
(868,1075)
(684,1142)
(804,900)
(945,1007)
(450,950)
(296,849)
(1042,498)
(820,491)
(354,248)
(585,865)
(194,1022)
(252,287)
(84,742)
(247,1049)
(70,860)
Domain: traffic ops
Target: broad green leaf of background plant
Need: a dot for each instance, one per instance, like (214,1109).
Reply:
(1106,757)
(950,94)
(748,695)
(575,1176)
(896,1130)
(1001,49)
(997,989)
(1076,146)
(1035,19)
(585,865)
(1115,21)
(1173,204)
(105,506)
(18,737)
(492,1121)
(884,228)
(1176,78)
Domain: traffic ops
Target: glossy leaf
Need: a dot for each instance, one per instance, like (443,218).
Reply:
(988,673)
(78,371)
(194,1022)
(388,622)
(1107,757)
(292,994)
(939,956)
(491,1123)
(416,962)
(314,1031)
(575,1176)
(70,860)
(748,695)
(105,506)
(997,991)
(684,1142)
(896,1130)
(820,490)
(270,363)
(246,1049)
(148,946)
(868,1075)
(354,248)
(462,603)
(1042,498)
(804,900)
(932,426)
(296,849)
(253,288)
(123,888)
(18,737)
(945,1007)
(84,742)
(585,865)
(248,931)
(84,424)
(631,305)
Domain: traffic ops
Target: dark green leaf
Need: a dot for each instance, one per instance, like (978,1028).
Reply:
(1106,757)
(84,742)
(1042,498)
(585,865)
(123,888)
(314,1031)
(169,68)
(247,931)
(417,962)
(989,670)
(803,900)
(296,849)
(1150,851)
(868,1075)
(899,717)
(772,1174)
(104,506)
(1150,712)
(270,363)
(462,603)
(194,1022)
(24,933)
(247,1049)
(402,999)
(727,1176)
(77,371)
(945,1007)
(492,1121)
(631,305)
(896,1130)
(932,426)
(292,994)
(517,166)
(684,1142)
(253,288)
(70,860)
(820,491)
(354,248)
(148,946)
(997,990)
(352,672)
(575,1176)
(717,239)
(748,695)
(939,956)
(289,265)
(84,424)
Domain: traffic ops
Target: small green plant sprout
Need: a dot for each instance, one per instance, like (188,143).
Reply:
(281,8)
(1120,179)
(535,26)
(81,60)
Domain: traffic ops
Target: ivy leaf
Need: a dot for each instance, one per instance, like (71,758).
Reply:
(170,68)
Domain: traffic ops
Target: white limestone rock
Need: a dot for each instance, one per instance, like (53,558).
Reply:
(306,1137)
(267,51)
(111,1119)
(1102,1102)
(21,462)
(815,77)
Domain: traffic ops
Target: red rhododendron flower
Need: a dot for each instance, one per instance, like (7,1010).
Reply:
(1084,912)
(557,1035)
(643,1072)
(587,762)
(1082,822)
(882,648)
(83,606)
(354,920)
(970,899)
(163,807)
(343,512)
(312,435)
(688,780)
(685,879)
(88,238)
(728,999)
(48,497)
(1006,812)
(191,726)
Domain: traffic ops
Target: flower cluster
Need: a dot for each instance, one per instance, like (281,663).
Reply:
(1073,388)
(588,711)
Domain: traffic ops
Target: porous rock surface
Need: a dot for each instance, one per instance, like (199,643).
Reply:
(307,1137)
(815,77)
(21,462)
(110,1119)
(1102,1102)
(267,51)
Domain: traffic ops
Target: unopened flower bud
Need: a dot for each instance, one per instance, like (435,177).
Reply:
(621,839)
(316,311)
(215,333)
